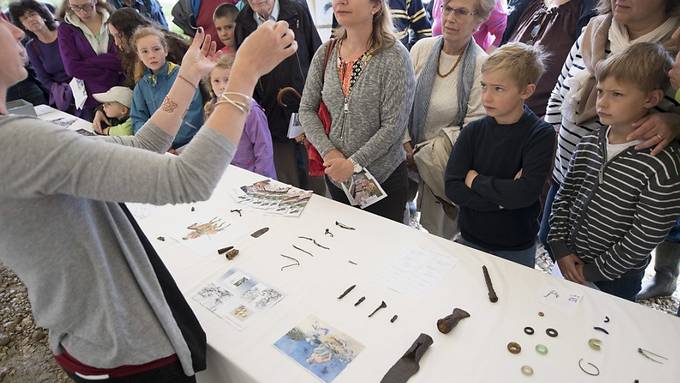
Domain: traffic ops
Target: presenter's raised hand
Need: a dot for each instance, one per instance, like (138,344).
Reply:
(198,60)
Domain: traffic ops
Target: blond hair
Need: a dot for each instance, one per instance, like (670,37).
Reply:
(382,35)
(148,31)
(644,65)
(522,62)
(224,62)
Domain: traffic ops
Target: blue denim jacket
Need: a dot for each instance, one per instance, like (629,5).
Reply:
(149,94)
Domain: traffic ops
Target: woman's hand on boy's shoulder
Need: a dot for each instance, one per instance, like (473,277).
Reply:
(656,130)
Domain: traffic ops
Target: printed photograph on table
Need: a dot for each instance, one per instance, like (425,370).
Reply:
(319,348)
(274,198)
(237,297)
(363,189)
(64,122)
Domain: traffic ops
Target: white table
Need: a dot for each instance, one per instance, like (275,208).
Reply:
(475,351)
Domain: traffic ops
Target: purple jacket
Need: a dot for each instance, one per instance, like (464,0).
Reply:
(46,61)
(99,72)
(255,151)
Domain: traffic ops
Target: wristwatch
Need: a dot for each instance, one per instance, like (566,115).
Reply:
(357,167)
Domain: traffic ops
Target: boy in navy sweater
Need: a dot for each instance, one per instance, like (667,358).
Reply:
(499,163)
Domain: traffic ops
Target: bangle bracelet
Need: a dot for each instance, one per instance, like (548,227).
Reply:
(236,104)
(187,80)
(247,98)
(240,105)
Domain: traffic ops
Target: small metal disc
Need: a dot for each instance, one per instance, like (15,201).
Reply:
(529,330)
(514,348)
(595,344)
(527,370)
(551,332)
(541,349)
(540,314)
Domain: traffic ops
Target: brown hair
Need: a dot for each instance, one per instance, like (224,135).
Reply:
(672,7)
(645,65)
(148,31)
(98,4)
(382,35)
(522,62)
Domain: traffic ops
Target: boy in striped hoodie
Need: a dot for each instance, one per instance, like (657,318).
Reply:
(616,204)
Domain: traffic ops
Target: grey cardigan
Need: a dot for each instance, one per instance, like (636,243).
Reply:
(370,132)
(89,279)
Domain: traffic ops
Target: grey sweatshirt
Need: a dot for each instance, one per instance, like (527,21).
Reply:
(370,132)
(88,277)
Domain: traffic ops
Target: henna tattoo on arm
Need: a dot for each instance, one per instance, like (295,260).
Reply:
(168,105)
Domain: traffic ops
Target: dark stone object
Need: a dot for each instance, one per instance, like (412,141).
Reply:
(446,324)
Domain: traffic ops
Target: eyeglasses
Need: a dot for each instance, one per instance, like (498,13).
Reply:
(82,8)
(457,12)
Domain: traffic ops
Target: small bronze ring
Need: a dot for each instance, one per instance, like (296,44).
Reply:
(551,332)
(514,348)
(529,330)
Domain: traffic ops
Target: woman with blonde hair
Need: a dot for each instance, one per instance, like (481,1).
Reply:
(87,51)
(448,97)
(367,85)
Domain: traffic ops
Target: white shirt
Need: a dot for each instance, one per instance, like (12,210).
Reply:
(274,16)
(613,150)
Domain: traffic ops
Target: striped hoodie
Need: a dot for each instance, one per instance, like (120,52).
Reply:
(569,133)
(612,214)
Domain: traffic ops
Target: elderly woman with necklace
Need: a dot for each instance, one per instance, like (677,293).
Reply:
(447,96)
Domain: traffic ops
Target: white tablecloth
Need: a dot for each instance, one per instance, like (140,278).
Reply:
(475,351)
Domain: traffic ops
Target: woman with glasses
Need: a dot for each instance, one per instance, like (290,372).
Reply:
(489,33)
(38,23)
(367,85)
(88,52)
(448,96)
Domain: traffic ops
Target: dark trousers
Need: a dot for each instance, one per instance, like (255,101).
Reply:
(626,286)
(171,373)
(391,207)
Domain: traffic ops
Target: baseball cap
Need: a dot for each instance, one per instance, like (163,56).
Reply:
(120,94)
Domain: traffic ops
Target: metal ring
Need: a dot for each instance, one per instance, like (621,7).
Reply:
(527,370)
(595,344)
(529,330)
(595,373)
(659,136)
(514,348)
(541,349)
(551,332)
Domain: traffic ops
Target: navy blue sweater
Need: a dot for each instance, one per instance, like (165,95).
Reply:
(498,212)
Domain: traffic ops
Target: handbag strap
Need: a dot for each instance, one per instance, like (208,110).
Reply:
(329,50)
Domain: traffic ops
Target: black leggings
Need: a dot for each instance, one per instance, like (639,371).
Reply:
(391,207)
